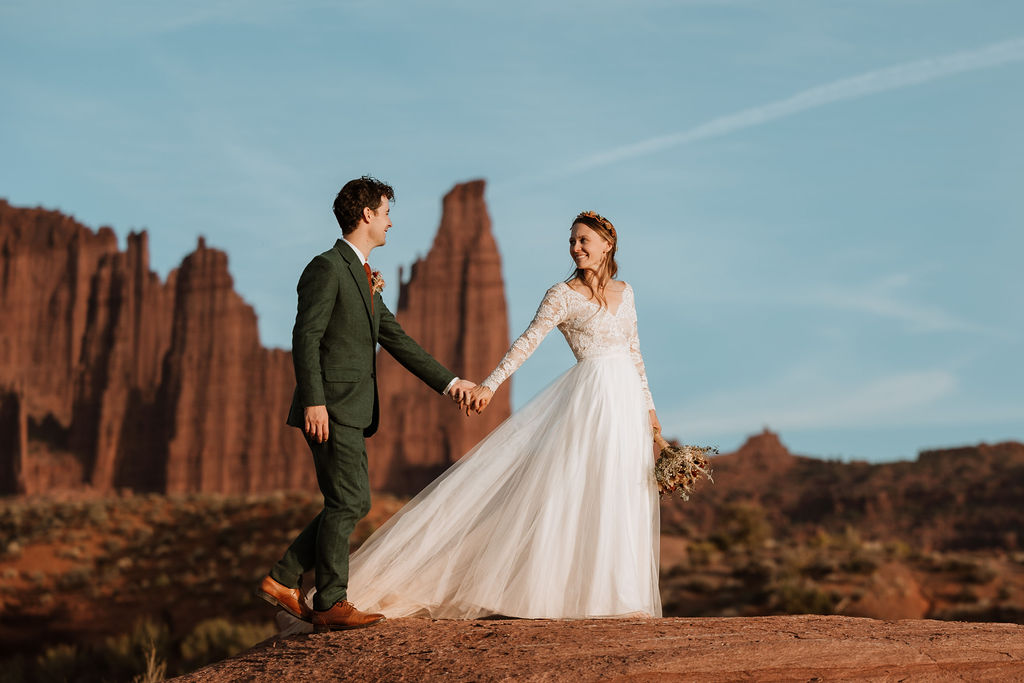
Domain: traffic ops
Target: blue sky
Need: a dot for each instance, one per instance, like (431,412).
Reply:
(819,203)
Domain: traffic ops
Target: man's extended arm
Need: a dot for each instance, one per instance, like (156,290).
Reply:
(411,355)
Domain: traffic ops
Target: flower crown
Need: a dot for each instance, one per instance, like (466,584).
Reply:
(601,220)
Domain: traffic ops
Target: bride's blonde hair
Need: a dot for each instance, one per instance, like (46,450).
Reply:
(609,269)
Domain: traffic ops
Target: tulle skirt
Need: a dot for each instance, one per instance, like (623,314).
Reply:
(553,515)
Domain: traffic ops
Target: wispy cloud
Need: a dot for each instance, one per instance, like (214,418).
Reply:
(854,87)
(885,298)
(804,398)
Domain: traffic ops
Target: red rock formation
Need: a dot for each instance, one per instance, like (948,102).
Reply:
(47,262)
(112,378)
(13,442)
(454,305)
(226,396)
(958,498)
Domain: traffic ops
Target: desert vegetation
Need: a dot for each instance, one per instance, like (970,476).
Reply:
(108,589)
(138,587)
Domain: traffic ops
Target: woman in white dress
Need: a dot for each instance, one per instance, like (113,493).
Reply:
(554,514)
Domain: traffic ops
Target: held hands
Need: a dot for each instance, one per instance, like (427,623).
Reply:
(478,399)
(470,396)
(460,390)
(460,393)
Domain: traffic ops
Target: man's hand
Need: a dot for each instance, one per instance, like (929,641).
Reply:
(316,423)
(478,399)
(460,393)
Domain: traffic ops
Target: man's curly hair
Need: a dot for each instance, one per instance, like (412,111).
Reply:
(361,193)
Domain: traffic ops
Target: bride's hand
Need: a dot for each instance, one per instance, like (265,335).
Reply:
(655,425)
(479,397)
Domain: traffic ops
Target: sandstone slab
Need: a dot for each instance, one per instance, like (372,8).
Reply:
(781,648)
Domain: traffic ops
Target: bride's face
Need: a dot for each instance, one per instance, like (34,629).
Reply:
(586,247)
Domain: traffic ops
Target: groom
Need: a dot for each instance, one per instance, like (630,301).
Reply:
(339,322)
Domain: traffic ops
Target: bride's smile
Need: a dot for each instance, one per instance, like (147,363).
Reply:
(586,247)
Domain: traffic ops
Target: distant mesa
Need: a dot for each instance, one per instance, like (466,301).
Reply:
(951,499)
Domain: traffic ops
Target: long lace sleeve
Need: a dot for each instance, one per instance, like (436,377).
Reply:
(638,361)
(551,312)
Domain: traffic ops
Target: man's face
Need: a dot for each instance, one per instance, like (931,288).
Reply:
(380,222)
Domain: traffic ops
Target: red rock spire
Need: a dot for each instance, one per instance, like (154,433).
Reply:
(454,305)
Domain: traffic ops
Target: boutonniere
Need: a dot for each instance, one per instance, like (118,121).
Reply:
(377,282)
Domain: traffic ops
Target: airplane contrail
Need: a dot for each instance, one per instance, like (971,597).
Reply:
(870,83)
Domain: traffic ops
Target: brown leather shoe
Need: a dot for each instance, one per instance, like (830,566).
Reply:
(288,599)
(343,615)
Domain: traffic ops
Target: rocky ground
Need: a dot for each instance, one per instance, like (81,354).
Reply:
(780,648)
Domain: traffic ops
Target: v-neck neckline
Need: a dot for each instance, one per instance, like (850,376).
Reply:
(600,307)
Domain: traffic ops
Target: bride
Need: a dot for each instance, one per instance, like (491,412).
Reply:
(554,514)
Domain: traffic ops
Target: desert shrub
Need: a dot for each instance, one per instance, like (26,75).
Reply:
(129,653)
(849,540)
(701,553)
(75,578)
(12,550)
(859,563)
(897,550)
(819,567)
(981,572)
(58,663)
(970,570)
(71,552)
(96,514)
(741,524)
(792,597)
(156,667)
(675,571)
(756,573)
(699,584)
(216,639)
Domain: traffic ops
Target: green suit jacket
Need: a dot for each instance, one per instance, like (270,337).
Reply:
(335,339)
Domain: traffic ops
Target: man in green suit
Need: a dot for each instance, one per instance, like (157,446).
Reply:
(339,322)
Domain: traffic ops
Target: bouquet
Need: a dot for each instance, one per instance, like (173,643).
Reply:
(679,467)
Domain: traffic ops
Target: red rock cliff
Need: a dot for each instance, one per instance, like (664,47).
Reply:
(454,306)
(111,378)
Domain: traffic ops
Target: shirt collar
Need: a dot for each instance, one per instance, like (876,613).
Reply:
(362,258)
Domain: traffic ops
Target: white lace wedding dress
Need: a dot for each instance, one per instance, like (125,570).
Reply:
(554,514)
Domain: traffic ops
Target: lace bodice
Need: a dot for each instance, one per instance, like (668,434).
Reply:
(590,330)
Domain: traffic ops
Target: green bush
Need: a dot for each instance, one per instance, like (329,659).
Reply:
(803,598)
(741,524)
(859,563)
(216,639)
